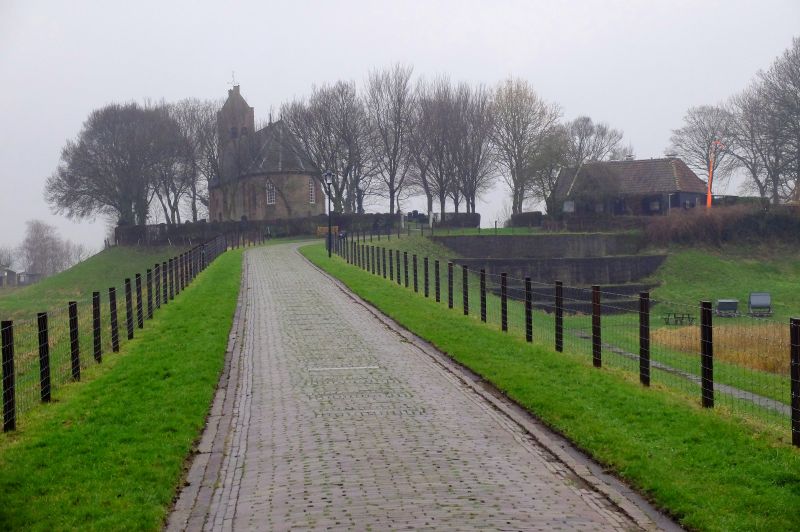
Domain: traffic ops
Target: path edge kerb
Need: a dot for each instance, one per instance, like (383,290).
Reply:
(189,508)
(629,502)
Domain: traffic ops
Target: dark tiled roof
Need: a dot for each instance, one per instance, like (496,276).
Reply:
(279,152)
(641,177)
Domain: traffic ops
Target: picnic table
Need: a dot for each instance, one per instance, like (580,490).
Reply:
(678,318)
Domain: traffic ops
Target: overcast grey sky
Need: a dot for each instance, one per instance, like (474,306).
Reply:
(635,64)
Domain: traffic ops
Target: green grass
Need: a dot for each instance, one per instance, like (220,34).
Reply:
(691,275)
(109,452)
(107,268)
(708,470)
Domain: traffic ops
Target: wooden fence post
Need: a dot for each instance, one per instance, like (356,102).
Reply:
(706,355)
(559,316)
(44,357)
(597,344)
(644,338)
(112,304)
(74,342)
(96,336)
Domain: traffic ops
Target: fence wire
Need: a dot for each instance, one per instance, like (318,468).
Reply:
(740,363)
(39,356)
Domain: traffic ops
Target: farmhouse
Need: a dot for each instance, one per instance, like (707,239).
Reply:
(8,277)
(640,187)
(263,174)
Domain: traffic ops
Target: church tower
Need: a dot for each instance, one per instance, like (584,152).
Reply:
(235,119)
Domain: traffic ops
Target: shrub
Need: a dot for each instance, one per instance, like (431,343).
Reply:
(526,219)
(460,219)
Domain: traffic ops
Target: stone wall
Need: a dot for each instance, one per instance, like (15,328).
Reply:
(574,271)
(543,245)
(247,197)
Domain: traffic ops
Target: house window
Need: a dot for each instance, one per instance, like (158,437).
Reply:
(270,193)
(312,192)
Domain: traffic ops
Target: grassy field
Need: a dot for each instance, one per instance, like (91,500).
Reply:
(107,268)
(708,470)
(108,453)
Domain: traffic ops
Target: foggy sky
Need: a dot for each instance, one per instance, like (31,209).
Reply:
(637,65)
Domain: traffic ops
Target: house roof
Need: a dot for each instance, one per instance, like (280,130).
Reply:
(638,177)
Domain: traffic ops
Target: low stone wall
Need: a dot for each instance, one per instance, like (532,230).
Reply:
(544,245)
(572,271)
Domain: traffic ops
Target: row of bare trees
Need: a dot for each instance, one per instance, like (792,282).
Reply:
(756,132)
(449,142)
(128,158)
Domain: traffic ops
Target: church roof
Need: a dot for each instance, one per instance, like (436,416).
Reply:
(278,151)
(639,177)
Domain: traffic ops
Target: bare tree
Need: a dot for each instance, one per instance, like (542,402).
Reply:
(390,101)
(433,139)
(522,121)
(333,131)
(419,173)
(547,163)
(781,86)
(589,141)
(108,169)
(42,251)
(470,140)
(7,256)
(703,139)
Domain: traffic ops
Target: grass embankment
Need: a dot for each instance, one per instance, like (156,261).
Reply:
(707,470)
(109,452)
(110,267)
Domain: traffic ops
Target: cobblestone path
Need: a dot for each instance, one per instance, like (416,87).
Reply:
(333,420)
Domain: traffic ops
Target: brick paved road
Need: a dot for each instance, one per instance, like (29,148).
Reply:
(331,419)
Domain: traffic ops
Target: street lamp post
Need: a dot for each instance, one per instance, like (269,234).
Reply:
(328,181)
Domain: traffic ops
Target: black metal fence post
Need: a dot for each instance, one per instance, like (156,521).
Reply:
(644,338)
(405,267)
(157,283)
(9,401)
(74,342)
(112,305)
(706,355)
(374,258)
(437,280)
(504,301)
(559,316)
(383,261)
(794,371)
(414,264)
(139,305)
(44,357)
(397,265)
(164,282)
(483,295)
(391,265)
(449,284)
(597,344)
(149,294)
(425,279)
(96,337)
(171,279)
(528,310)
(465,288)
(128,308)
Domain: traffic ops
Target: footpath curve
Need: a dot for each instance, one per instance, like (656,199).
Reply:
(328,415)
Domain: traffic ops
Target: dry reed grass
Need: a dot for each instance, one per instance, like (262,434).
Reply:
(758,346)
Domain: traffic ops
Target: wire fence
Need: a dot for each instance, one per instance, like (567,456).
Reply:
(748,364)
(43,354)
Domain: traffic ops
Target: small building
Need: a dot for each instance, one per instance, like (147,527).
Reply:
(633,187)
(8,277)
(264,174)
(27,278)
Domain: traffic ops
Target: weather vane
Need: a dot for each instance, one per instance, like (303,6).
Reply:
(233,78)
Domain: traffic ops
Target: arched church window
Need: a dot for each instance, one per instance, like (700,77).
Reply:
(270,193)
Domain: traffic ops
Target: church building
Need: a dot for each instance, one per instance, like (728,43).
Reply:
(264,174)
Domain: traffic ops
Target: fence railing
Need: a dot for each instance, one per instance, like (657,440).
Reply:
(747,365)
(41,355)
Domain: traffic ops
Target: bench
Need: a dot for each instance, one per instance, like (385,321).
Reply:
(678,318)
(727,308)
(760,304)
